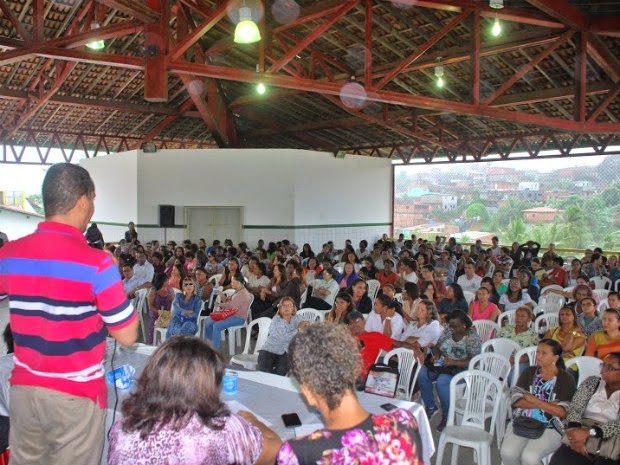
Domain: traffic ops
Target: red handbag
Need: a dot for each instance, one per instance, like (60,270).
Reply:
(223,314)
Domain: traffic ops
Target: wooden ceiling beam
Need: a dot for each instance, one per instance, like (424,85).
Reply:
(562,11)
(17,24)
(421,50)
(389,97)
(25,116)
(506,14)
(307,40)
(137,10)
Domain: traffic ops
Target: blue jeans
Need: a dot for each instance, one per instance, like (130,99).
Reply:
(213,329)
(442,385)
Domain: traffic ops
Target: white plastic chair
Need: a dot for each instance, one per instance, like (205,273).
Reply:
(617,285)
(506,318)
(214,280)
(498,366)
(487,329)
(601,294)
(493,363)
(312,314)
(550,303)
(501,345)
(471,432)
(249,359)
(602,306)
(302,299)
(546,321)
(398,297)
(141,305)
(531,355)
(159,335)
(469,296)
(234,332)
(408,369)
(373,289)
(601,282)
(587,366)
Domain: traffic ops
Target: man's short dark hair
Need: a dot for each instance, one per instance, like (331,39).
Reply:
(63,185)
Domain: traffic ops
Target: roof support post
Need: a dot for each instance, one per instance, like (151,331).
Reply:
(156,43)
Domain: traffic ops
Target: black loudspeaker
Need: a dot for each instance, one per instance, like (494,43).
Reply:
(166,216)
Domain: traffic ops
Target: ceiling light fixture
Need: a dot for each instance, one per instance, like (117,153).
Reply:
(95,44)
(497,4)
(246,31)
(261,89)
(496,30)
(439,75)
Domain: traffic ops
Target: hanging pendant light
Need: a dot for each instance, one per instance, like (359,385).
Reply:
(246,31)
(95,44)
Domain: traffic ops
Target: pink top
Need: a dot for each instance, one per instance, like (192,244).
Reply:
(477,314)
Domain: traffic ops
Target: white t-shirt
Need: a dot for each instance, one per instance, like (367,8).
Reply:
(471,285)
(427,334)
(508,305)
(6,367)
(374,324)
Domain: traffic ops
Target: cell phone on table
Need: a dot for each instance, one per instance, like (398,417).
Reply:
(388,406)
(291,420)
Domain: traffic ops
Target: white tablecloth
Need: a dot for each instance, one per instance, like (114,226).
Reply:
(266,395)
(270,396)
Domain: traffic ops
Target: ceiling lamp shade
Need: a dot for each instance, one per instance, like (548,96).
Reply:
(439,75)
(246,31)
(95,44)
(497,4)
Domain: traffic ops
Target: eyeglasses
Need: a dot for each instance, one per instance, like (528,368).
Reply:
(287,304)
(188,284)
(610,368)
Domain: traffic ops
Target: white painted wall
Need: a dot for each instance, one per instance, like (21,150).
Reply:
(15,225)
(117,192)
(274,186)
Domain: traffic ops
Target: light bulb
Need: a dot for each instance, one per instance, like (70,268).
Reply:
(440,82)
(497,28)
(260,88)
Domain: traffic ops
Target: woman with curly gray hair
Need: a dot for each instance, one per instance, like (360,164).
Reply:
(325,361)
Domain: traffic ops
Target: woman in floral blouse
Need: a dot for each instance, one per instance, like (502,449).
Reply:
(175,415)
(351,433)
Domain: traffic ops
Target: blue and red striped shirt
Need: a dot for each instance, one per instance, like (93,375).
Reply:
(62,294)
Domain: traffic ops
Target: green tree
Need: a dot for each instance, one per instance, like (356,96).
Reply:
(575,232)
(516,231)
(478,211)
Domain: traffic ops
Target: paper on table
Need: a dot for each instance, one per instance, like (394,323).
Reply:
(235,406)
(308,428)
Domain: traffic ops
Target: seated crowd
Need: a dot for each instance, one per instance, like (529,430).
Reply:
(429,296)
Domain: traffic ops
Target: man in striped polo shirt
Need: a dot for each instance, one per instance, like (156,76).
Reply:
(63,296)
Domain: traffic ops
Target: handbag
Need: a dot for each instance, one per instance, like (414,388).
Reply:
(608,448)
(528,427)
(163,320)
(223,314)
(382,380)
(436,370)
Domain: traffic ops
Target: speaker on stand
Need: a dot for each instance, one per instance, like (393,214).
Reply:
(166,218)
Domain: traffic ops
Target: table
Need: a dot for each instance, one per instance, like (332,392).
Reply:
(268,396)
(136,356)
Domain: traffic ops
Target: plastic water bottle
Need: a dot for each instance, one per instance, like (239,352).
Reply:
(230,382)
(122,376)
